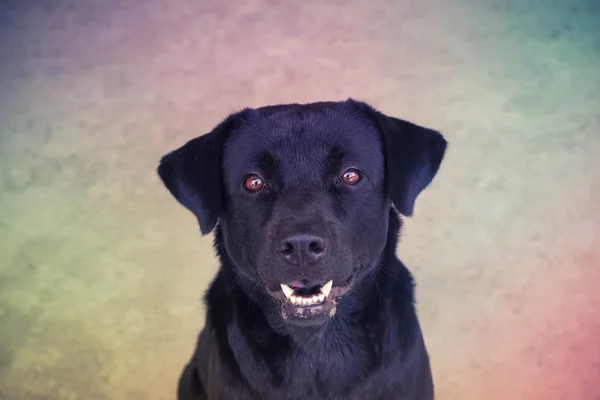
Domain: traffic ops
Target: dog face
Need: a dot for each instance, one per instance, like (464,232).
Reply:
(302,194)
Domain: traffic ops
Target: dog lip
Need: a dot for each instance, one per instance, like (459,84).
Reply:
(276,294)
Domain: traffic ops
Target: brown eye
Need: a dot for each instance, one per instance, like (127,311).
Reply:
(253,183)
(351,177)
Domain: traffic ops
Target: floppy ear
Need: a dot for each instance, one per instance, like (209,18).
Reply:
(193,175)
(413,156)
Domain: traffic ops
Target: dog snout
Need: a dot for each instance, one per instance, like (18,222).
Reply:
(302,248)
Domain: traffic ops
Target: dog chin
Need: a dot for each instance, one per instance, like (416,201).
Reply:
(310,308)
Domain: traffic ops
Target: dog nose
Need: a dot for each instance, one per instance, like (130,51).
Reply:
(303,247)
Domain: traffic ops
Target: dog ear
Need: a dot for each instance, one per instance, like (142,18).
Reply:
(193,175)
(413,156)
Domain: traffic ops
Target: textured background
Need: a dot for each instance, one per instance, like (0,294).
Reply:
(101,272)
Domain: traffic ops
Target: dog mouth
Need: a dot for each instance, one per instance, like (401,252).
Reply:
(315,303)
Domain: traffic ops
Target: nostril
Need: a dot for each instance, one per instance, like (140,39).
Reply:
(287,248)
(316,247)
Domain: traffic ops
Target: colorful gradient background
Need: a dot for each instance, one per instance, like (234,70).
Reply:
(102,272)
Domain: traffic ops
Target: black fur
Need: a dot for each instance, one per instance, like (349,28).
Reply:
(251,347)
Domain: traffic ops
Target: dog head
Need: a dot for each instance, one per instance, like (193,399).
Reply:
(302,195)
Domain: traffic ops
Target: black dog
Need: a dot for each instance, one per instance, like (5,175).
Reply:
(310,301)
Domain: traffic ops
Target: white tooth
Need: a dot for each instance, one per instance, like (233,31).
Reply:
(288,291)
(315,299)
(321,297)
(327,288)
(305,301)
(293,299)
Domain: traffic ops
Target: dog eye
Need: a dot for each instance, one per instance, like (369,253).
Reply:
(253,183)
(351,177)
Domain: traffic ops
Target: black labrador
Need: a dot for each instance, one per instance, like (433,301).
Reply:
(310,301)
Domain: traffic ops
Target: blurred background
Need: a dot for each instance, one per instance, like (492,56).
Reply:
(102,272)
